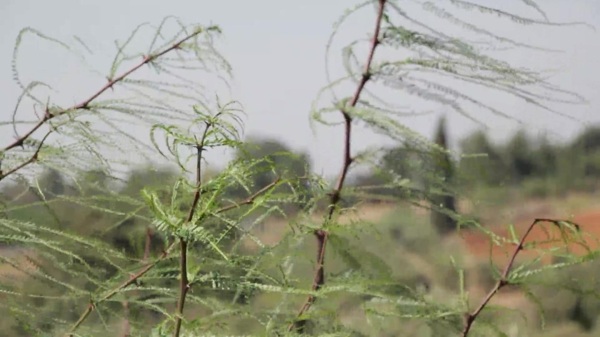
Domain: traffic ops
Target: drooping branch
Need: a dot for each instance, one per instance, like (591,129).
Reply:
(34,157)
(503,279)
(322,234)
(108,295)
(85,103)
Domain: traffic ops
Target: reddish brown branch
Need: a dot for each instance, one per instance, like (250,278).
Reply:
(322,235)
(33,158)
(184,284)
(249,200)
(85,103)
(503,280)
(126,312)
(133,278)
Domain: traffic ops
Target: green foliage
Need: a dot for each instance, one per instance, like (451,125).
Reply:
(102,233)
(275,160)
(542,168)
(482,161)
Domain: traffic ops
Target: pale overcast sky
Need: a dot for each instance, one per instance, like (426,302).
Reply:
(276,49)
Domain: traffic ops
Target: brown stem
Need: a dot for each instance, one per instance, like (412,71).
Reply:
(133,278)
(322,234)
(250,199)
(126,311)
(33,158)
(503,280)
(85,103)
(184,284)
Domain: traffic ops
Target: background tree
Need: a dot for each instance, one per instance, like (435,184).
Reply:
(275,159)
(481,161)
(587,145)
(443,201)
(396,175)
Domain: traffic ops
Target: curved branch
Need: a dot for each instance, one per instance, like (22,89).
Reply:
(85,103)
(503,280)
(33,158)
(322,235)
(133,278)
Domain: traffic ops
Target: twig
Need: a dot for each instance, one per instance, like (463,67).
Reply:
(85,104)
(503,280)
(184,284)
(133,279)
(321,234)
(249,200)
(33,158)
(126,311)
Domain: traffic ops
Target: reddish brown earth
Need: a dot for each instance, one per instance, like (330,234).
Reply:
(543,236)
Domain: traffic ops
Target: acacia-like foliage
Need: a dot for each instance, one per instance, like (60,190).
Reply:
(89,251)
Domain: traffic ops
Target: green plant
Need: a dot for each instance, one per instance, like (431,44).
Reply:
(189,272)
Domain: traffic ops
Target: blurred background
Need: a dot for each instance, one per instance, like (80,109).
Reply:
(497,171)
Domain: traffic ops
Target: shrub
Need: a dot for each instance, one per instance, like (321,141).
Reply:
(193,275)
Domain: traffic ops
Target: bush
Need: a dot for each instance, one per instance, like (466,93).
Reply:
(159,253)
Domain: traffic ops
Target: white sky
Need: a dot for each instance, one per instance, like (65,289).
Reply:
(276,48)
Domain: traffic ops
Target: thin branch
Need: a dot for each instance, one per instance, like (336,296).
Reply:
(132,279)
(126,311)
(85,104)
(249,200)
(184,284)
(322,235)
(503,280)
(33,158)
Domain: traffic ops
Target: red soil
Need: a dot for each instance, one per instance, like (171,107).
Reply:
(543,236)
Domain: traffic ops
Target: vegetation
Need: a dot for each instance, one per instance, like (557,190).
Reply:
(151,243)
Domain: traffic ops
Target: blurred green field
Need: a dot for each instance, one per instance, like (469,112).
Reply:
(403,237)
(397,243)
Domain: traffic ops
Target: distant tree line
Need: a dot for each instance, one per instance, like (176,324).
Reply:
(536,164)
(273,159)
